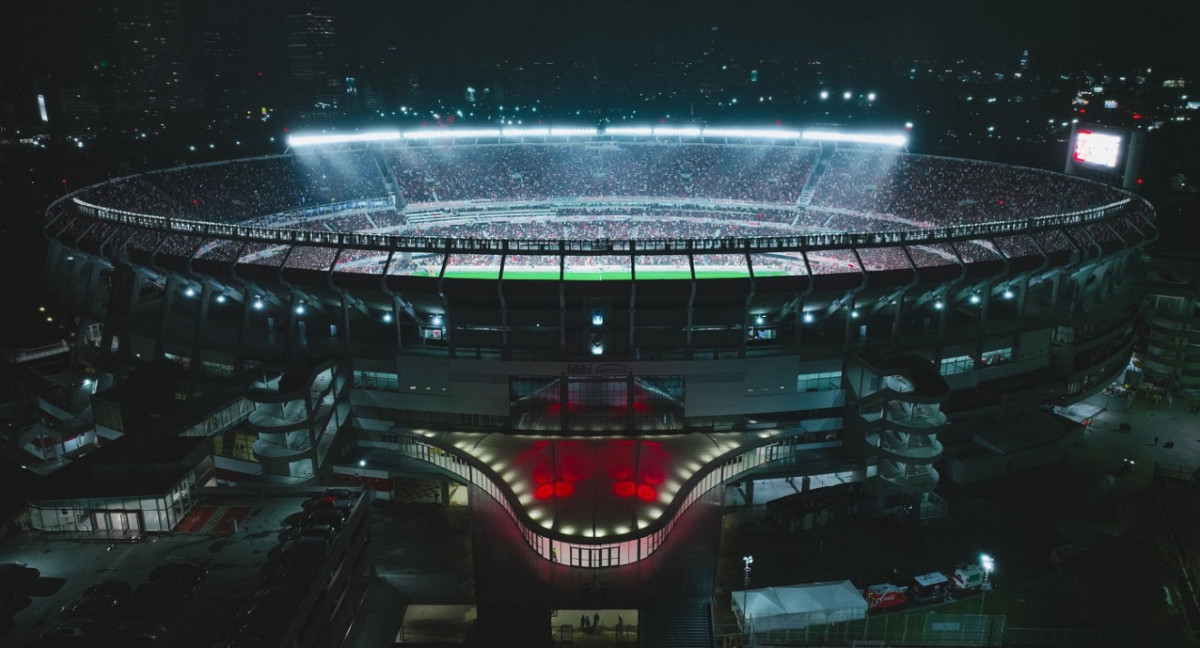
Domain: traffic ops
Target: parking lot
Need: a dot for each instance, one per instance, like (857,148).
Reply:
(68,567)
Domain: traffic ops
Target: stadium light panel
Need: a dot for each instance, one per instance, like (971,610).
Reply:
(347,138)
(221,299)
(189,292)
(808,318)
(974,299)
(299,309)
(387,318)
(524,132)
(1009,294)
(677,131)
(751,133)
(451,133)
(259,305)
(570,131)
(857,138)
(629,130)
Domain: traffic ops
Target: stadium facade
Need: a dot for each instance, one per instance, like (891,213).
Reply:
(600,328)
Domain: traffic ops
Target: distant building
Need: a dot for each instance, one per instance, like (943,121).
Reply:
(315,68)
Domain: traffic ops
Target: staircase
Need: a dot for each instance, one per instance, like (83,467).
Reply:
(810,185)
(678,622)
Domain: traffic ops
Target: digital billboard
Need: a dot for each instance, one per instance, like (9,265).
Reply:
(1102,149)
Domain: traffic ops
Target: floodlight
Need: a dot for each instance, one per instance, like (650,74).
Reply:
(760,319)
(824,94)
(437,320)
(571,130)
(846,95)
(808,317)
(362,463)
(451,133)
(221,299)
(189,292)
(524,132)
(1009,294)
(860,138)
(974,299)
(387,318)
(870,96)
(854,314)
(258,303)
(300,308)
(987,563)
(677,131)
(629,130)
(347,138)
(754,133)
(938,305)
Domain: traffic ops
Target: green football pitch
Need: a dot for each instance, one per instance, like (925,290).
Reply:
(614,275)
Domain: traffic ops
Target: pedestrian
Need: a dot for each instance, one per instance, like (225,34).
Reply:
(596,621)
(582,621)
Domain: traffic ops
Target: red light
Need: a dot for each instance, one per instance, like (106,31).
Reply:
(553,409)
(1137,116)
(285,130)
(1139,181)
(64,181)
(646,493)
(563,489)
(545,491)
(624,488)
(1082,111)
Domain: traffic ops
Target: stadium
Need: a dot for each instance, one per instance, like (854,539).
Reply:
(599,327)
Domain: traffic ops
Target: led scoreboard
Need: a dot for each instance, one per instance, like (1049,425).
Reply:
(1111,155)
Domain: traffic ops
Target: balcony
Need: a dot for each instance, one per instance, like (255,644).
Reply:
(909,480)
(915,418)
(907,448)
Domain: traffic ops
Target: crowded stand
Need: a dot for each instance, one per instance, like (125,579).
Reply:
(942,191)
(540,172)
(599,192)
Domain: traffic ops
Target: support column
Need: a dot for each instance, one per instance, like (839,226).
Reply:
(748,486)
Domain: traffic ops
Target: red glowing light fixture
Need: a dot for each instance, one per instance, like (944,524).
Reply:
(647,493)
(625,488)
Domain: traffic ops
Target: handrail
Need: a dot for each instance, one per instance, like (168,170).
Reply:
(586,247)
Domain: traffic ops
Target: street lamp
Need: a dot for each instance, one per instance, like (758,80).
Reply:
(989,566)
(747,560)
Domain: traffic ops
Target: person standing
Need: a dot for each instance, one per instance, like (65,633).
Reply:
(582,621)
(596,621)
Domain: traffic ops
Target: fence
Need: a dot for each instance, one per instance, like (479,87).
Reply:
(895,630)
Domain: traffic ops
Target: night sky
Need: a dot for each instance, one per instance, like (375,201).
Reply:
(53,36)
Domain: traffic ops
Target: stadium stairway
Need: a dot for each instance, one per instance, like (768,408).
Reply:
(679,622)
(810,185)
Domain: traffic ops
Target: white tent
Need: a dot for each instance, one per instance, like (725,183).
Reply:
(797,606)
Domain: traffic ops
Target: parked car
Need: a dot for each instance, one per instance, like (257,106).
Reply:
(279,591)
(118,589)
(188,573)
(323,531)
(79,629)
(318,503)
(15,577)
(139,632)
(270,607)
(156,601)
(91,606)
(315,547)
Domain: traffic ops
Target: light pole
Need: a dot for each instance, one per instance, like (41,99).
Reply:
(988,565)
(747,560)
